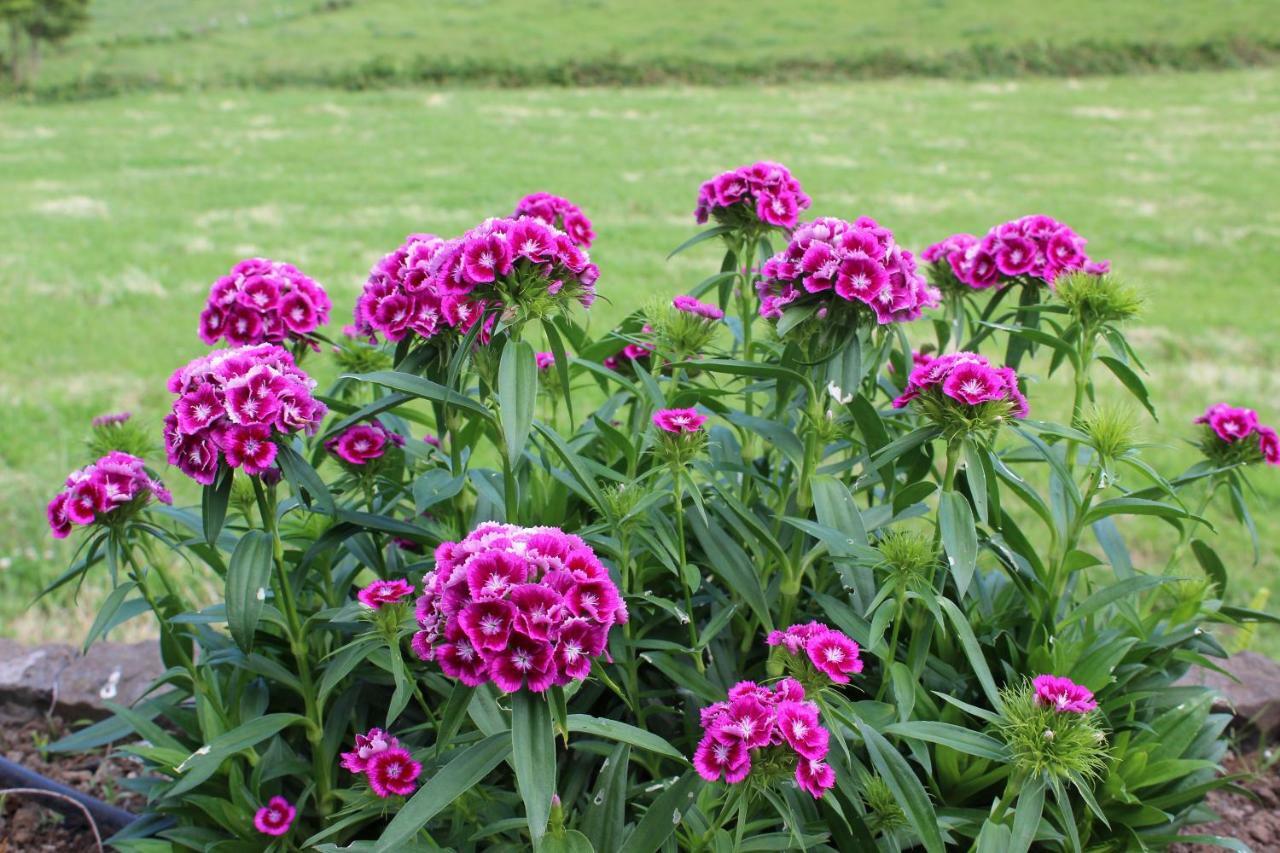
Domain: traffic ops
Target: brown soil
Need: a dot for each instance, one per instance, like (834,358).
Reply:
(1254,820)
(27,824)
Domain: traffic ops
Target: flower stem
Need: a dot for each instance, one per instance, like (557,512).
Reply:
(298,645)
(677,492)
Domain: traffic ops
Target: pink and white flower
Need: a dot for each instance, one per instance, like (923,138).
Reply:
(1063,695)
(382,592)
(558,213)
(275,817)
(762,193)
(679,421)
(104,492)
(523,607)
(263,301)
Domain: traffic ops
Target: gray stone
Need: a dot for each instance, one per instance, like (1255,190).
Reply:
(58,678)
(1251,692)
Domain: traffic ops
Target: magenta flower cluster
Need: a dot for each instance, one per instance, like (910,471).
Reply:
(857,261)
(831,652)
(401,293)
(756,719)
(232,405)
(690,305)
(263,301)
(1037,247)
(97,491)
(1063,695)
(275,817)
(967,378)
(389,767)
(518,606)
(559,213)
(382,592)
(361,444)
(679,422)
(1233,425)
(763,192)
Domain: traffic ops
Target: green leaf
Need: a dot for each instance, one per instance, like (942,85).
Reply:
(1110,594)
(1026,819)
(727,560)
(113,612)
(907,790)
(662,818)
(423,388)
(306,483)
(973,651)
(457,777)
(455,711)
(959,538)
(571,841)
(955,737)
(562,367)
(205,761)
(575,465)
(517,395)
(533,748)
(709,234)
(1130,380)
(1211,563)
(433,487)
(213,503)
(248,577)
(624,733)
(605,818)
(1134,506)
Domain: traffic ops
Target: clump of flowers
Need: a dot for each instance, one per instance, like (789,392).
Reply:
(1235,436)
(518,606)
(558,213)
(1033,247)
(963,391)
(765,734)
(388,767)
(402,293)
(232,405)
(831,653)
(858,262)
(275,817)
(763,193)
(517,263)
(263,301)
(946,261)
(360,444)
(1053,730)
(110,490)
(382,592)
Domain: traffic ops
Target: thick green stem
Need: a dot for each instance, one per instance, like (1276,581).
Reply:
(1085,355)
(1010,792)
(321,769)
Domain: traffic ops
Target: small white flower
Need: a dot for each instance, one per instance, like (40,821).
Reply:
(837,393)
(1048,735)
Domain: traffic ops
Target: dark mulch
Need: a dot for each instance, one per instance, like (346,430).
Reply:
(27,824)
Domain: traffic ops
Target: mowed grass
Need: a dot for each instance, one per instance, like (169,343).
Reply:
(118,214)
(195,42)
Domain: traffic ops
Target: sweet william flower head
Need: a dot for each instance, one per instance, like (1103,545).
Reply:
(366,746)
(964,393)
(384,592)
(1063,695)
(559,213)
(818,654)
(392,772)
(1033,248)
(850,272)
(233,406)
(110,492)
(275,817)
(263,301)
(762,195)
(679,421)
(522,607)
(1235,436)
(1053,730)
(360,444)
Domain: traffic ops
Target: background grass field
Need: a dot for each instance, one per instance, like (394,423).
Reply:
(116,214)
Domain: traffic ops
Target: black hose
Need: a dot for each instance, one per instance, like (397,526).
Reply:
(109,818)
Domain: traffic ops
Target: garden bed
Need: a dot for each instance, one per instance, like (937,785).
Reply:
(28,823)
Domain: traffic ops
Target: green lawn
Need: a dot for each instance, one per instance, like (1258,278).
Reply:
(117,214)
(186,42)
